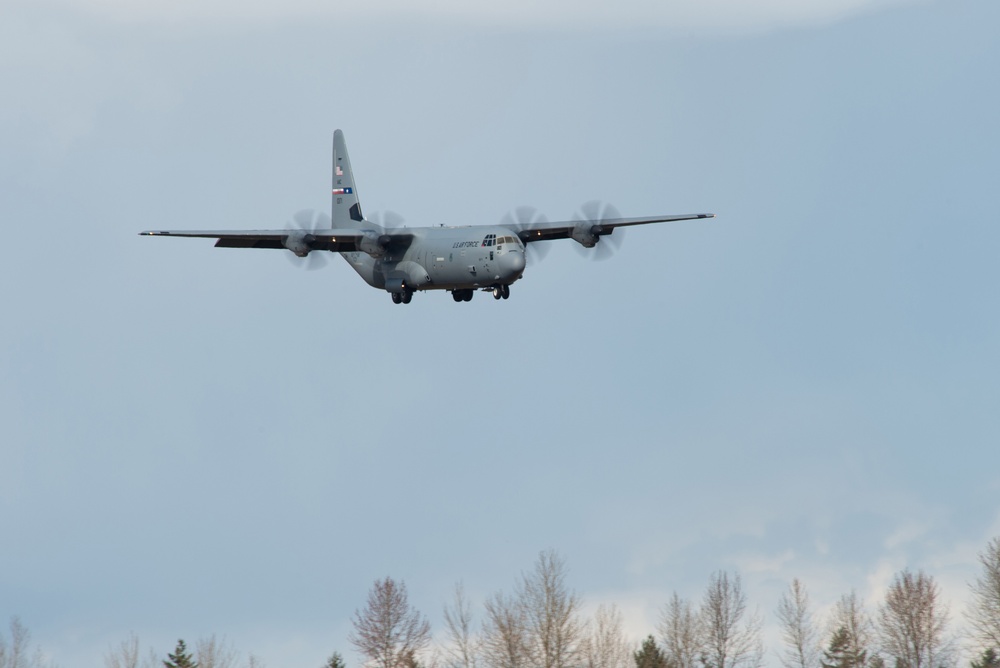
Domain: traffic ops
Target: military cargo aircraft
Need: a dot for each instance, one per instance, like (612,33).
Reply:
(404,260)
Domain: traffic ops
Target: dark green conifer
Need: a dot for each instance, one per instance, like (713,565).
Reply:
(335,661)
(650,655)
(988,659)
(180,658)
(841,653)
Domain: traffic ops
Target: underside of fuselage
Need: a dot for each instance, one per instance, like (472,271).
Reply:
(459,260)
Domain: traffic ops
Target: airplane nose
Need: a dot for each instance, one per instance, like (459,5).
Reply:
(516,261)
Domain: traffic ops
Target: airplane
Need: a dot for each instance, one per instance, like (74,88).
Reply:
(404,260)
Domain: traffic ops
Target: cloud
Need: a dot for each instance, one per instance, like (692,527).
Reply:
(764,563)
(707,15)
(906,533)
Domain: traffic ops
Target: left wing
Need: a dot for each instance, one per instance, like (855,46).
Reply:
(338,241)
(544,231)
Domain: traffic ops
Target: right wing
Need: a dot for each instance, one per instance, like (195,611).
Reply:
(545,231)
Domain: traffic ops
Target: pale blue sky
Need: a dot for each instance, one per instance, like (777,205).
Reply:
(197,440)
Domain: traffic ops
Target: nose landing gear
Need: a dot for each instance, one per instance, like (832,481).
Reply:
(501,291)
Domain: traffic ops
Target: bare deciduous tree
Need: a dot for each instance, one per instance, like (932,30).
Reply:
(389,632)
(606,646)
(125,655)
(504,640)
(16,652)
(731,638)
(462,650)
(983,613)
(213,653)
(797,628)
(551,614)
(912,622)
(680,630)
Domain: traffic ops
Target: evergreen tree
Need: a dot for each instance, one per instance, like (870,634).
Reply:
(410,661)
(650,655)
(335,661)
(989,659)
(843,654)
(180,658)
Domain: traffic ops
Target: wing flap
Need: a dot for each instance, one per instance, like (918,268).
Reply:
(338,241)
(247,242)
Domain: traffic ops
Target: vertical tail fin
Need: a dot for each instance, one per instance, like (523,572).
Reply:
(346,210)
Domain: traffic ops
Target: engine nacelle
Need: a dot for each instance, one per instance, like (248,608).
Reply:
(416,274)
(373,244)
(299,243)
(585,234)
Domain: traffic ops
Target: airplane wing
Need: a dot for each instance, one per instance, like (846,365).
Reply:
(545,231)
(338,241)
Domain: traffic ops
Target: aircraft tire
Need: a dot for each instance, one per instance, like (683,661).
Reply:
(456,295)
(396,297)
(406,296)
(468,295)
(506,291)
(497,292)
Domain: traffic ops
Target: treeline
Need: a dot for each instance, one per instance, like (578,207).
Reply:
(540,623)
(16,652)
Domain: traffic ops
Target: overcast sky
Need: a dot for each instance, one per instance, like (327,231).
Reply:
(197,440)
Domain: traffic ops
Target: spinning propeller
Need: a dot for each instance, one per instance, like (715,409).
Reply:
(592,244)
(387,220)
(307,221)
(520,218)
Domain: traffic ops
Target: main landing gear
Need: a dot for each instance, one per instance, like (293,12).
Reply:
(465,295)
(403,297)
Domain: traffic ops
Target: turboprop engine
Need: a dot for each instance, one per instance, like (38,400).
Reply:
(299,243)
(594,230)
(586,234)
(374,244)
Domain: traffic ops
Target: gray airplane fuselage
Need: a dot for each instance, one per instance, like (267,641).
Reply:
(445,258)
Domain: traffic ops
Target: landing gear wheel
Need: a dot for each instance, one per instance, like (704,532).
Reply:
(406,296)
(396,297)
(506,291)
(497,291)
(456,295)
(467,296)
